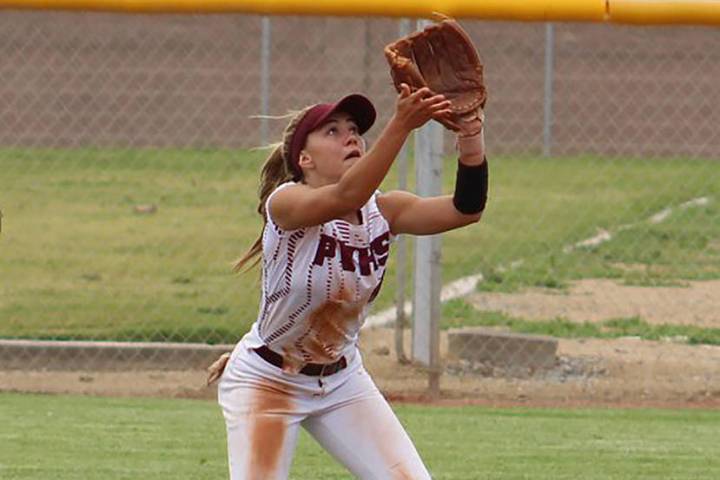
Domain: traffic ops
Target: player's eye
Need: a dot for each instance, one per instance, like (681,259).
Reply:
(332,130)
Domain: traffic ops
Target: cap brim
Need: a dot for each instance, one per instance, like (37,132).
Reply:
(359,107)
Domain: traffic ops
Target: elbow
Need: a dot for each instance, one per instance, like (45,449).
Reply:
(468,211)
(469,218)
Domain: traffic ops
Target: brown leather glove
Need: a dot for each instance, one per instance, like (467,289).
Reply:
(443,58)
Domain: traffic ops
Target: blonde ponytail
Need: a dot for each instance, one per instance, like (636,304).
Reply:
(275,171)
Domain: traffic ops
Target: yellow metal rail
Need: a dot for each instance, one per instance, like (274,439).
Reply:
(540,10)
(650,12)
(697,12)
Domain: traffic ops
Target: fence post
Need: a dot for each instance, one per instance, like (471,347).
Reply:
(548,100)
(428,281)
(264,79)
(401,246)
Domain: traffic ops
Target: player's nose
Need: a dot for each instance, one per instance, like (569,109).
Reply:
(352,139)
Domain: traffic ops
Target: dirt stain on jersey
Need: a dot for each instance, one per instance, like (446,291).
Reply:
(269,413)
(327,334)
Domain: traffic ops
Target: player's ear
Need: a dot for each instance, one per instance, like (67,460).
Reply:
(305,160)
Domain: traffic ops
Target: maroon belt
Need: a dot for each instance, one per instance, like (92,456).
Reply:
(310,369)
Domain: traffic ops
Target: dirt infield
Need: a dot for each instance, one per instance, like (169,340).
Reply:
(695,303)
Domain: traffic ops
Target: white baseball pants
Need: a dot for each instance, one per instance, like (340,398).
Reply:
(344,412)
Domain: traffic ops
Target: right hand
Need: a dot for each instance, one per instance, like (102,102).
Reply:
(415,109)
(216,370)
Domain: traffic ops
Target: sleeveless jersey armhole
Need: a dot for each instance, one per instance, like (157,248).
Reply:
(376,207)
(275,227)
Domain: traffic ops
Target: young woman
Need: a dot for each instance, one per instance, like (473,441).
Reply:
(324,248)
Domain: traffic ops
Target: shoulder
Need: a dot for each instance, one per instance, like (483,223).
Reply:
(276,199)
(283,186)
(276,193)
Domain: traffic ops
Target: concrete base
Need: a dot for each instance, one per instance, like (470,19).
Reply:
(98,356)
(478,344)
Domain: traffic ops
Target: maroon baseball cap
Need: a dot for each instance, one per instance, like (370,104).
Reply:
(357,106)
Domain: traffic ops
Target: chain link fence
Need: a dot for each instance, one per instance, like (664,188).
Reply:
(127,188)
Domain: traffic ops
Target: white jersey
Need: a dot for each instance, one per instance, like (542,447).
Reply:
(317,284)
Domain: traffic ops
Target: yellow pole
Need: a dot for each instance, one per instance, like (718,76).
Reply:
(694,12)
(649,12)
(530,10)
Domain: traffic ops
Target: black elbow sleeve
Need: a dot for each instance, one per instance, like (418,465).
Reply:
(471,188)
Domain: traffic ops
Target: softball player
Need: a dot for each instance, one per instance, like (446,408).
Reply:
(324,248)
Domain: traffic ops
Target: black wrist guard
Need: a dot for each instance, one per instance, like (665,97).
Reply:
(471,187)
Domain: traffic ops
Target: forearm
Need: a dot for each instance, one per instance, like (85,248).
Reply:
(471,185)
(361,180)
(472,149)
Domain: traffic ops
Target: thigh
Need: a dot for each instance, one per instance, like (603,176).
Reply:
(262,421)
(363,433)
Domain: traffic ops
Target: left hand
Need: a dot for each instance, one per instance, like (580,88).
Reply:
(415,109)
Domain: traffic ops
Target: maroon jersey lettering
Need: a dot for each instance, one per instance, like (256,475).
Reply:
(346,257)
(326,249)
(380,247)
(369,259)
(366,260)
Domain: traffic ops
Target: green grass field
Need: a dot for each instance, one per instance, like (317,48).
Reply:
(85,438)
(78,262)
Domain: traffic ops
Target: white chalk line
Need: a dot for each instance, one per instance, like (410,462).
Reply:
(466,285)
(604,235)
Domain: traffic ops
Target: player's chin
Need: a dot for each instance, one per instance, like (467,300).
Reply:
(349,162)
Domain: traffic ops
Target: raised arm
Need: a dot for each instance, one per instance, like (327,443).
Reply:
(305,205)
(409,213)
